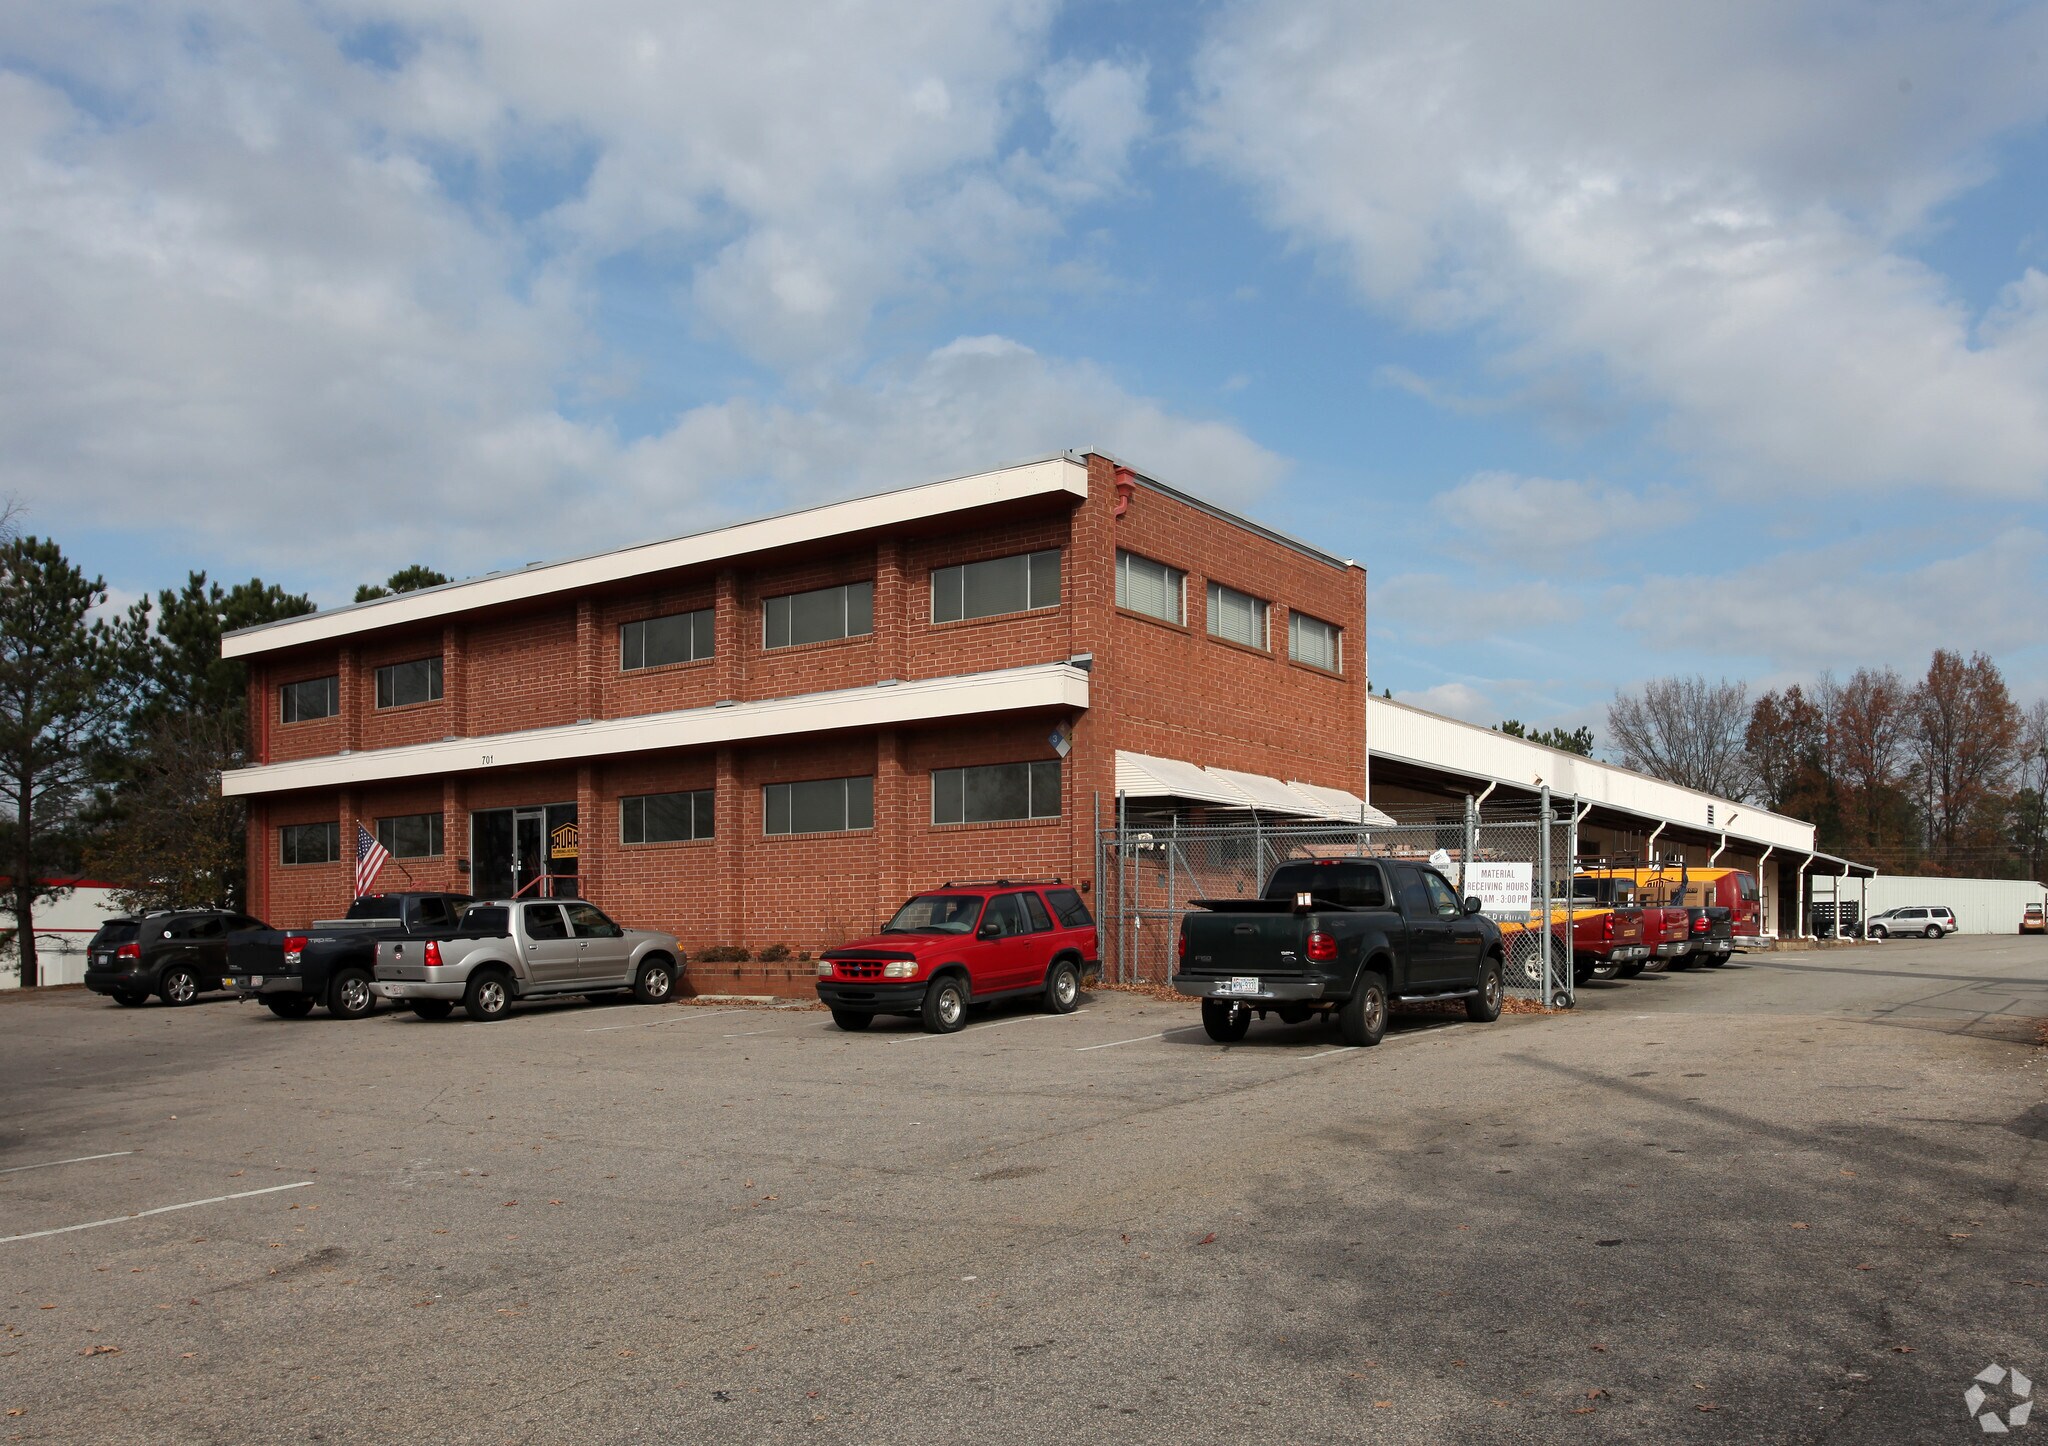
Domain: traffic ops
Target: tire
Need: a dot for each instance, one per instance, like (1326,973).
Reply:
(852,1020)
(1226,1022)
(433,1008)
(1484,1007)
(1880,933)
(349,995)
(1629,971)
(1063,988)
(1363,1017)
(289,1006)
(945,1005)
(1932,931)
(178,985)
(128,1000)
(655,983)
(488,997)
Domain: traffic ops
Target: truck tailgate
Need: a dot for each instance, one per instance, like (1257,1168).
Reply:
(1257,945)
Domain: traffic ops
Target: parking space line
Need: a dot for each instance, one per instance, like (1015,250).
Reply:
(74,1160)
(656,1023)
(1139,1039)
(998,1024)
(159,1210)
(1340,1049)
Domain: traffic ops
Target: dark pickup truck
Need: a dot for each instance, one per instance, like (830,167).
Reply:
(333,962)
(1343,937)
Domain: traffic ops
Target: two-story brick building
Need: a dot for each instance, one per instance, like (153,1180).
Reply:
(771,732)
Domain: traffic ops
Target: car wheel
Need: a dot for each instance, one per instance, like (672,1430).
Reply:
(945,1005)
(1933,931)
(1630,971)
(130,1000)
(433,1008)
(1363,1017)
(1484,1007)
(289,1006)
(179,985)
(349,995)
(656,982)
(1226,1022)
(1879,933)
(853,1021)
(488,997)
(1063,988)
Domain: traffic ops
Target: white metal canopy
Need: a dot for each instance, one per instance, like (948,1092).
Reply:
(1141,775)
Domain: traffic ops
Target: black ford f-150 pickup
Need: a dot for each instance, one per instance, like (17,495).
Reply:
(333,962)
(1348,937)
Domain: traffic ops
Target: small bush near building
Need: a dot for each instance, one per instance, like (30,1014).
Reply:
(777,954)
(723,954)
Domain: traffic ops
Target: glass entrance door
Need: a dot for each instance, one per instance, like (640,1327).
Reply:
(529,852)
(512,848)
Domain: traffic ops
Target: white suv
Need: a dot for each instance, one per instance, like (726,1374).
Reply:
(1930,923)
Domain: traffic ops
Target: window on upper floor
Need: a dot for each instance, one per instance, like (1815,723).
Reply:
(416,682)
(819,805)
(847,611)
(666,817)
(1152,588)
(411,835)
(1001,585)
(1237,616)
(677,638)
(997,792)
(1311,640)
(309,843)
(314,698)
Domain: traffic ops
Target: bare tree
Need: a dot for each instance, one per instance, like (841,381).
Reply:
(1688,731)
(2034,746)
(1873,732)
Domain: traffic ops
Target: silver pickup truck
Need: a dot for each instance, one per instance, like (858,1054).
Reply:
(504,950)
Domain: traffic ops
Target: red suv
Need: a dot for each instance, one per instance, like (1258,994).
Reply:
(965,944)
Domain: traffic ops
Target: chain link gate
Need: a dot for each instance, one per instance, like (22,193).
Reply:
(1517,861)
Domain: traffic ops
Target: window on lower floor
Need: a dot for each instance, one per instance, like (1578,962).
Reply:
(817,617)
(309,843)
(1237,616)
(411,835)
(1313,641)
(314,698)
(819,805)
(996,793)
(666,817)
(416,682)
(678,638)
(1000,585)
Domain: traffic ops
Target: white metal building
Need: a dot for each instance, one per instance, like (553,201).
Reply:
(64,926)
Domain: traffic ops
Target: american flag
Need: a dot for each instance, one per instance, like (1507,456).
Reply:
(370,857)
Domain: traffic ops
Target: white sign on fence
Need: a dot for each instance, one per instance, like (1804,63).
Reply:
(1500,888)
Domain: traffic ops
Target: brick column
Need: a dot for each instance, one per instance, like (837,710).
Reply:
(455,687)
(258,849)
(732,629)
(733,810)
(455,832)
(588,699)
(594,825)
(893,610)
(356,700)
(259,714)
(894,819)
(1088,587)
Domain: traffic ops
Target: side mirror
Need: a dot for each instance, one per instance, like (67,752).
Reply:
(1472,905)
(988,931)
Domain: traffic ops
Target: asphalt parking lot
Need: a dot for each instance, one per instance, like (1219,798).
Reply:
(1796,1199)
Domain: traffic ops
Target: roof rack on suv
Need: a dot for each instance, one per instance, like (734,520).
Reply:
(995,883)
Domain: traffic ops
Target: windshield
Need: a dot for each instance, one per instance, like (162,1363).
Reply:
(484,919)
(115,931)
(936,914)
(376,906)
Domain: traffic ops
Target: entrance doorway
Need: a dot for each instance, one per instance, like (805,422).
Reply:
(531,851)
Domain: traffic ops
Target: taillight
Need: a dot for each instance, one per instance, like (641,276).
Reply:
(1183,948)
(128,951)
(1699,925)
(1607,929)
(1321,947)
(432,958)
(294,948)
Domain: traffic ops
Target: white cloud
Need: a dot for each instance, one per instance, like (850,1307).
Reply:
(1454,700)
(1709,201)
(1542,523)
(1421,606)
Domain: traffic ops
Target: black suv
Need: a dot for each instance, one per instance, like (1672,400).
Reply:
(174,954)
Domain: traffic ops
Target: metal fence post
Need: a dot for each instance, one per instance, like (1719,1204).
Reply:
(1471,844)
(1543,821)
(1123,829)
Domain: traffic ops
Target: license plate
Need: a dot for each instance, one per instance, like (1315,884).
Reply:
(1242,984)
(255,980)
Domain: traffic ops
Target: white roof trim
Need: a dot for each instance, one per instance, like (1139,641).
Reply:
(1140,775)
(1044,685)
(1046,477)
(1338,804)
(1269,795)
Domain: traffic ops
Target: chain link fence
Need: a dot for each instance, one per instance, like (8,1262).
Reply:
(1517,863)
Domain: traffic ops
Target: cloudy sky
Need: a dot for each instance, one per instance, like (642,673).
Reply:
(1615,339)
